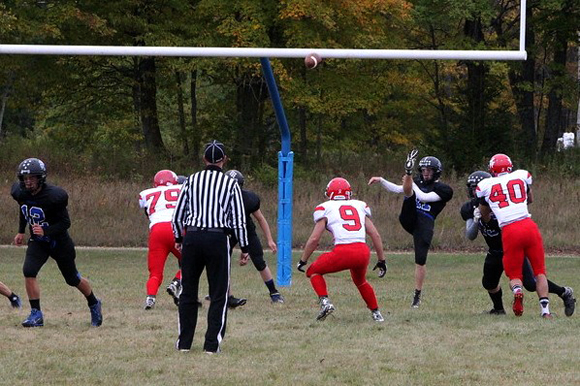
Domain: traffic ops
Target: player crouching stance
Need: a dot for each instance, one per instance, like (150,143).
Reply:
(348,221)
(507,194)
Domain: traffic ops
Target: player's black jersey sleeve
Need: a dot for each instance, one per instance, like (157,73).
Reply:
(467,210)
(251,204)
(443,190)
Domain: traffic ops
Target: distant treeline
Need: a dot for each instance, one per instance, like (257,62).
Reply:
(123,114)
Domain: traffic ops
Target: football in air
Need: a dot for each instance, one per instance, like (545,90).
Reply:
(312,60)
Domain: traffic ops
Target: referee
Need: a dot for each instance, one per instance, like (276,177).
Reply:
(209,208)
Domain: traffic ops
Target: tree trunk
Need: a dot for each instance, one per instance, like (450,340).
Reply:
(302,121)
(303,136)
(578,109)
(476,72)
(136,94)
(181,112)
(554,121)
(3,100)
(197,131)
(319,139)
(251,94)
(148,98)
(522,83)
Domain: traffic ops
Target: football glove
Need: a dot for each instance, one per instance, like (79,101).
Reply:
(410,163)
(476,214)
(382,266)
(300,265)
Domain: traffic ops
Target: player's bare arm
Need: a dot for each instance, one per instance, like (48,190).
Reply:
(376,239)
(244,258)
(408,185)
(485,212)
(313,240)
(266,229)
(530,195)
(19,239)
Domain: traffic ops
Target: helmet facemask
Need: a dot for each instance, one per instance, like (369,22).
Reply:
(32,167)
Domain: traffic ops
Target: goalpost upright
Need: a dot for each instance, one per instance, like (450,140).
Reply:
(285,156)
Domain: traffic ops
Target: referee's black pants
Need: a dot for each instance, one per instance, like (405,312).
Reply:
(209,250)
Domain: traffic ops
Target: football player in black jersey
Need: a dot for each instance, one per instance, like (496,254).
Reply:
(44,208)
(252,208)
(493,266)
(425,198)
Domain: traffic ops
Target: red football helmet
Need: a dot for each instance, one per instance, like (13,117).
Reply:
(165,178)
(500,163)
(338,189)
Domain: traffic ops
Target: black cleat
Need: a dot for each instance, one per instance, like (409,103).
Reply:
(569,301)
(416,300)
(234,302)
(174,290)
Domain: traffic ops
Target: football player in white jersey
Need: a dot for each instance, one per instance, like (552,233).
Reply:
(349,222)
(159,205)
(507,194)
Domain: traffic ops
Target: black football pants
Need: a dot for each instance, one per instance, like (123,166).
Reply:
(210,251)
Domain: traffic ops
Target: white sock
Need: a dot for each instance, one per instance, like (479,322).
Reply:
(545,305)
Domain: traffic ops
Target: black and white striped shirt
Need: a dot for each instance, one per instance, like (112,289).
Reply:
(211,199)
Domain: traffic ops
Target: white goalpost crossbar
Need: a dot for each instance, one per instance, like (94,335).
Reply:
(32,49)
(326,53)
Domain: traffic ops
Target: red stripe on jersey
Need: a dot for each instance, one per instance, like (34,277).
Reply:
(319,208)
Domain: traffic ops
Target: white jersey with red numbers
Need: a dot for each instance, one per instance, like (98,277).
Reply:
(159,203)
(507,195)
(345,219)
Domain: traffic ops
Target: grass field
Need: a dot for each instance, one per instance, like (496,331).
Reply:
(446,342)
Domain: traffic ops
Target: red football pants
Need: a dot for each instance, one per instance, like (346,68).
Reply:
(161,243)
(522,238)
(354,257)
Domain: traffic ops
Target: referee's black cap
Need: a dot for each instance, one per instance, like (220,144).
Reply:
(214,152)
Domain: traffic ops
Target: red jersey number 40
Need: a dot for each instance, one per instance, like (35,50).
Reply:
(516,193)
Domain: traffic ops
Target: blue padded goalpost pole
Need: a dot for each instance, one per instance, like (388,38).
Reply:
(285,171)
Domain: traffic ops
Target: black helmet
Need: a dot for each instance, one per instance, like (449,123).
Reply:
(236,175)
(181,179)
(474,179)
(433,163)
(32,167)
